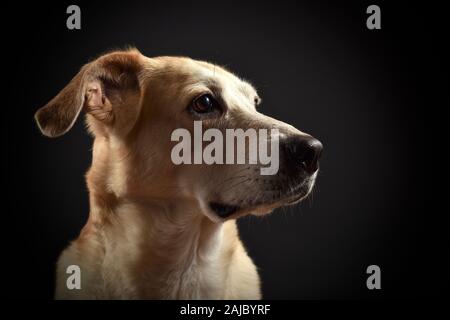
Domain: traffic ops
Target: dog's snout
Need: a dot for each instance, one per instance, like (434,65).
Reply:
(304,151)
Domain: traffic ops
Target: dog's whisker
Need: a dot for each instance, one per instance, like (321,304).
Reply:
(237,184)
(230,180)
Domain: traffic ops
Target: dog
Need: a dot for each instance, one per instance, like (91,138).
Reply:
(157,230)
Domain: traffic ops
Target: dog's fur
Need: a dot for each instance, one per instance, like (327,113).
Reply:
(150,232)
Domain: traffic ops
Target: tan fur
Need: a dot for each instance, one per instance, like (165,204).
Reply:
(149,233)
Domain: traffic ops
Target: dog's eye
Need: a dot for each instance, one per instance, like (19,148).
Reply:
(205,104)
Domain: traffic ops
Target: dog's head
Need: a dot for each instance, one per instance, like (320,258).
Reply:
(141,112)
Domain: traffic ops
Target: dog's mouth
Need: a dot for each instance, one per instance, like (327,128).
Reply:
(225,210)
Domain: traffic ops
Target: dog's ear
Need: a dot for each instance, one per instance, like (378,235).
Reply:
(101,88)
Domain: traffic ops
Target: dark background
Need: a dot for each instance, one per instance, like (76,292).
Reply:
(362,92)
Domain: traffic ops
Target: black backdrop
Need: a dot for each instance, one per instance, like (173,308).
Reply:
(316,66)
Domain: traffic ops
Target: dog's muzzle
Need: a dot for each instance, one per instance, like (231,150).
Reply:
(299,159)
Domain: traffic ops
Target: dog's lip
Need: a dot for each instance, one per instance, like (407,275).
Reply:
(223,210)
(297,198)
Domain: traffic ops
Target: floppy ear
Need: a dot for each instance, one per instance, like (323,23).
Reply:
(100,88)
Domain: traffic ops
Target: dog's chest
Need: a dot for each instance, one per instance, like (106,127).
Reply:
(184,282)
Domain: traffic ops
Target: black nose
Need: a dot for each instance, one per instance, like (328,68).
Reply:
(304,151)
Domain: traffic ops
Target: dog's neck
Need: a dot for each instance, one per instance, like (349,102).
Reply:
(162,243)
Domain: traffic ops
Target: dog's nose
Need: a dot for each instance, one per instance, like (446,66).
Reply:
(304,151)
